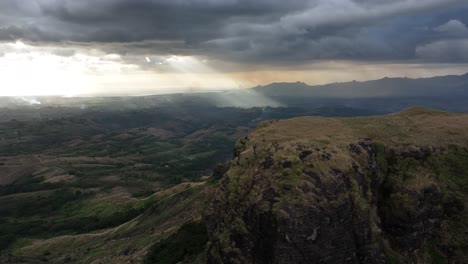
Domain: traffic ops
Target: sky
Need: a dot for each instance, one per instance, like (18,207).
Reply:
(136,47)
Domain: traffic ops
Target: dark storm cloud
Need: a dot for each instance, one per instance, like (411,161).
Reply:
(445,51)
(257,32)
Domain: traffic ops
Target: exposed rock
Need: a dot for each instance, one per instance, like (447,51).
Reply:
(351,201)
(219,171)
(268,163)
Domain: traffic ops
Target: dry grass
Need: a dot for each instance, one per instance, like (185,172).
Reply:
(14,168)
(418,126)
(61,178)
(328,141)
(420,181)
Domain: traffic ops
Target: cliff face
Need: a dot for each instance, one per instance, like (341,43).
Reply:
(362,190)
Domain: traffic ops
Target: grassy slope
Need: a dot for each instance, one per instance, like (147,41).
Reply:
(129,241)
(418,126)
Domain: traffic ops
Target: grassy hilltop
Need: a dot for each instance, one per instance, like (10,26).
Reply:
(390,189)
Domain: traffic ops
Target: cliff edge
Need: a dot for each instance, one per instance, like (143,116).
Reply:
(390,189)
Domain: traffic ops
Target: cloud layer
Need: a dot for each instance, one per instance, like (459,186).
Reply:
(262,32)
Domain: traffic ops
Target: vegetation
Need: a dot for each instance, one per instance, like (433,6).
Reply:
(111,185)
(404,176)
(185,246)
(100,169)
(62,212)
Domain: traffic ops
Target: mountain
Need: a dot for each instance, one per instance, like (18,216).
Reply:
(390,189)
(452,85)
(384,96)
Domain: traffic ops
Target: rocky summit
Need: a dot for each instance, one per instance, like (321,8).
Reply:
(389,189)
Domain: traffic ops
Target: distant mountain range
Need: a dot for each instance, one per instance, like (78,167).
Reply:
(382,96)
(453,85)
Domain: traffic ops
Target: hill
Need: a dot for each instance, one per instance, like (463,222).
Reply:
(390,189)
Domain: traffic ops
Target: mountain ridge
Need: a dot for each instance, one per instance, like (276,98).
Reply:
(452,85)
(345,190)
(363,81)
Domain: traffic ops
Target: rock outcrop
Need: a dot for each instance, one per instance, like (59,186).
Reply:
(363,190)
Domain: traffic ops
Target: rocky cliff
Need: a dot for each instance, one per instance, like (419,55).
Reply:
(389,189)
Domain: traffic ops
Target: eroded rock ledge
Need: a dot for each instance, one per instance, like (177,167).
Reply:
(362,190)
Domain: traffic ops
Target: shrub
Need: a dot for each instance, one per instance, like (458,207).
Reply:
(184,246)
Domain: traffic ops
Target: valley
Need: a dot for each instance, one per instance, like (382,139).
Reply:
(139,182)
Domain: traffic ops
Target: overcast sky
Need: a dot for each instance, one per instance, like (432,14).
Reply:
(149,46)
